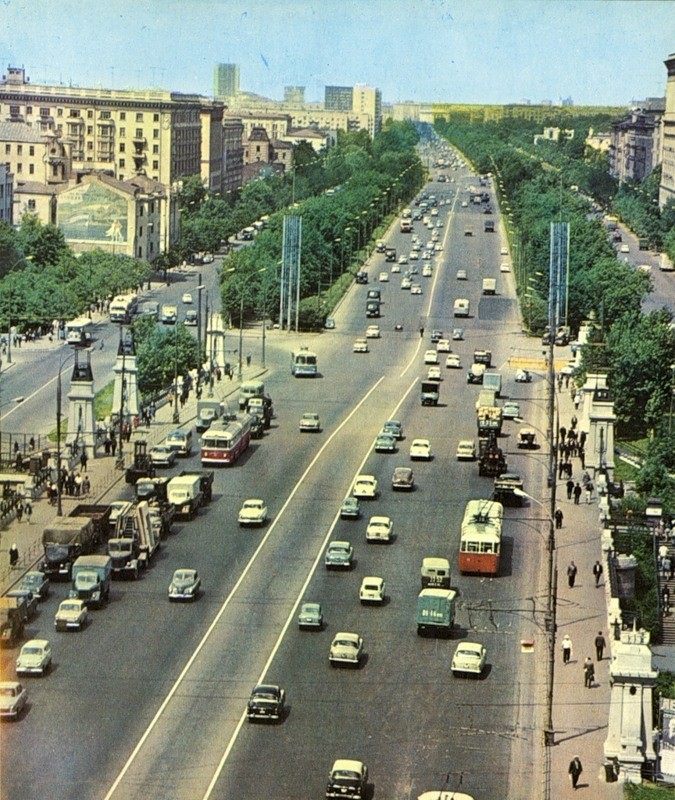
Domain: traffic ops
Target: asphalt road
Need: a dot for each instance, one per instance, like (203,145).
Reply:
(148,701)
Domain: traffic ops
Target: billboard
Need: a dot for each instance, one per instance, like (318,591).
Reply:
(94,213)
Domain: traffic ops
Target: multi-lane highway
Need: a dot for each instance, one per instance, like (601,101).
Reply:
(149,701)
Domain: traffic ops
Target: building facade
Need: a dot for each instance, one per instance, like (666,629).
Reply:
(294,95)
(339,98)
(226,82)
(667,188)
(635,146)
(212,146)
(6,194)
(233,154)
(34,155)
(368,100)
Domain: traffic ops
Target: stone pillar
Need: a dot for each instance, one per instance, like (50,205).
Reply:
(125,389)
(632,678)
(215,340)
(81,423)
(594,381)
(600,417)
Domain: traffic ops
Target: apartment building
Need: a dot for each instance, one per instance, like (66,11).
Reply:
(233,154)
(368,100)
(212,148)
(6,194)
(635,147)
(33,155)
(667,188)
(226,82)
(339,98)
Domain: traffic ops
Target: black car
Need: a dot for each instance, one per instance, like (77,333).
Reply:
(266,703)
(436,335)
(362,277)
(257,426)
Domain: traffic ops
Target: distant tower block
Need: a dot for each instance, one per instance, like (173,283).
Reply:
(125,390)
(215,341)
(81,428)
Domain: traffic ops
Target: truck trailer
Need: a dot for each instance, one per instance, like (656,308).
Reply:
(435,612)
(64,540)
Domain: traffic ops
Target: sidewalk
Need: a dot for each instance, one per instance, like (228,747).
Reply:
(580,715)
(103,476)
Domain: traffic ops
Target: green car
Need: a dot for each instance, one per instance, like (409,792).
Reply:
(350,508)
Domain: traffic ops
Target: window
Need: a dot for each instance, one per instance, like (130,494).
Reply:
(155,133)
(140,251)
(152,247)
(121,177)
(31,150)
(59,112)
(139,117)
(140,211)
(8,149)
(152,206)
(44,112)
(140,231)
(29,110)
(90,145)
(155,164)
(19,149)
(90,114)
(19,167)
(123,131)
(123,147)
(90,130)
(123,164)
(155,117)
(139,133)
(31,169)
(105,115)
(14,111)
(155,149)
(31,205)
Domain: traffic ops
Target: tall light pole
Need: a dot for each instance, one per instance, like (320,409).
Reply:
(199,322)
(59,479)
(672,391)
(176,414)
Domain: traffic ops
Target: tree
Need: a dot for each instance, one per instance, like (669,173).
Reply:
(160,353)
(44,244)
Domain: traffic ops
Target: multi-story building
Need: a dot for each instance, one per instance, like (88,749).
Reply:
(37,198)
(226,82)
(667,188)
(34,155)
(339,98)
(635,147)
(233,154)
(368,100)
(123,217)
(294,95)
(275,123)
(212,152)
(6,194)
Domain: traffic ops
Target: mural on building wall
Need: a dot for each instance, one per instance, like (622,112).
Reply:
(94,213)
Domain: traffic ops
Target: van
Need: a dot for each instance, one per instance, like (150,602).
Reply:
(489,286)
(248,390)
(180,442)
(435,573)
(461,307)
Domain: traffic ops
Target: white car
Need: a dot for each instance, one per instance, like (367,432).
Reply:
(372,590)
(365,486)
(380,529)
(414,256)
(434,374)
(373,332)
(465,204)
(384,277)
(505,267)
(35,658)
(461,274)
(420,449)
(13,698)
(504,251)
(402,260)
(253,512)
(346,648)
(624,248)
(406,283)
(187,298)
(469,659)
(71,614)
(395,267)
(426,256)
(443,346)
(439,247)
(310,421)
(431,357)
(360,346)
(427,272)
(466,450)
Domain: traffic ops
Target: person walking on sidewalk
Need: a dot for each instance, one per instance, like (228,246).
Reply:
(19,512)
(13,555)
(600,645)
(577,493)
(571,574)
(597,572)
(28,510)
(589,491)
(665,601)
(570,488)
(83,460)
(566,649)
(575,770)
(589,673)
(558,518)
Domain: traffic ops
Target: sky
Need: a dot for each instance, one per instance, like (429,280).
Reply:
(598,52)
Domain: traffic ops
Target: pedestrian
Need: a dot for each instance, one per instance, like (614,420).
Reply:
(582,438)
(570,488)
(665,601)
(600,645)
(566,649)
(574,420)
(13,555)
(589,491)
(577,493)
(102,345)
(113,445)
(28,510)
(106,445)
(558,518)
(575,770)
(589,673)
(582,457)
(568,470)
(86,485)
(597,572)
(83,460)
(561,470)
(563,433)
(421,331)
(248,360)
(560,380)
(571,574)
(567,381)
(577,400)
(19,512)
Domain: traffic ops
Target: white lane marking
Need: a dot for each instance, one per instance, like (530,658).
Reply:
(292,613)
(229,598)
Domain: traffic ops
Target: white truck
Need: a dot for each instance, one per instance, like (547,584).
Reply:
(461,307)
(185,492)
(489,286)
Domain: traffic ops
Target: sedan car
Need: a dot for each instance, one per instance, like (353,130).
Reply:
(396,268)
(347,779)
(373,332)
(13,698)
(350,508)
(162,455)
(469,659)
(339,555)
(37,583)
(443,346)
(420,449)
(310,616)
(253,512)
(461,274)
(523,376)
(406,283)
(71,614)
(457,334)
(365,486)
(372,590)
(403,479)
(415,289)
(380,529)
(431,357)
(185,584)
(426,256)
(436,335)
(385,443)
(187,298)
(510,409)
(466,450)
(35,658)
(402,260)
(505,267)
(360,346)
(504,251)
(393,426)
(427,272)
(414,256)
(624,248)
(266,703)
(384,277)
(310,421)
(434,374)
(453,361)
(346,648)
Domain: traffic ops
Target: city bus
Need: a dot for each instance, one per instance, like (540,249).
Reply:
(303,363)
(122,308)
(481,538)
(79,332)
(226,440)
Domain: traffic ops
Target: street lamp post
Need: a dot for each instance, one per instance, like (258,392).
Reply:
(176,414)
(59,478)
(199,322)
(672,391)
